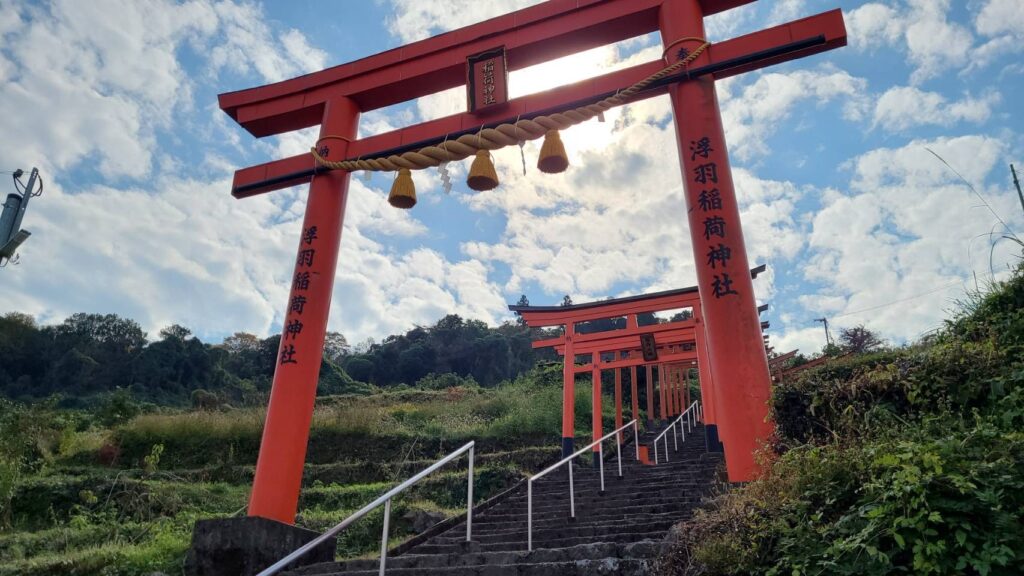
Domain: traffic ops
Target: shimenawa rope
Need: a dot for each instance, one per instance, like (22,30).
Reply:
(507,134)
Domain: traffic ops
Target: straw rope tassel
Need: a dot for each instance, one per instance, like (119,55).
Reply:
(482,175)
(403,190)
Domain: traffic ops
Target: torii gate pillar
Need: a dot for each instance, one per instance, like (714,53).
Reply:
(278,478)
(735,345)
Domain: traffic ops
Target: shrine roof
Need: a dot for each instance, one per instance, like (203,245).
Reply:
(608,302)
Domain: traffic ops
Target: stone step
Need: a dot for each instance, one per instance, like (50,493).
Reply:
(646,474)
(596,498)
(616,531)
(568,530)
(520,543)
(582,518)
(616,485)
(585,509)
(476,558)
(597,567)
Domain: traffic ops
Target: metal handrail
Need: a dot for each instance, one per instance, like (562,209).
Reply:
(691,414)
(600,457)
(386,500)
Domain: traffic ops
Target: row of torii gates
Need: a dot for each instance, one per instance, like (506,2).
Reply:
(479,57)
(673,347)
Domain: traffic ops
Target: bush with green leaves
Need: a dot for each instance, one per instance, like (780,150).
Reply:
(904,461)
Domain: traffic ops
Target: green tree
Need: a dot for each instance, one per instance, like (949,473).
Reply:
(859,340)
(176,332)
(361,369)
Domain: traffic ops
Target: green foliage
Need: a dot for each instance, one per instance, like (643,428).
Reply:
(118,408)
(69,516)
(434,381)
(93,359)
(149,436)
(904,461)
(151,461)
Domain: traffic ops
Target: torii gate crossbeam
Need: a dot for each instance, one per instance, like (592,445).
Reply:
(335,97)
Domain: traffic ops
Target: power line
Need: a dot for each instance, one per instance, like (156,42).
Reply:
(976,193)
(907,299)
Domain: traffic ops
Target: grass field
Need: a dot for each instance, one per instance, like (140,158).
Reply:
(122,501)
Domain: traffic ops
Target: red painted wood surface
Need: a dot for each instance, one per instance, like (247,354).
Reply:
(288,111)
(634,398)
(618,400)
(275,489)
(729,309)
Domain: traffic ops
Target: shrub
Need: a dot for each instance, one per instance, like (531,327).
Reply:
(908,461)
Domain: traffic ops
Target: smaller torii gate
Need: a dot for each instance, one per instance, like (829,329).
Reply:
(629,341)
(674,347)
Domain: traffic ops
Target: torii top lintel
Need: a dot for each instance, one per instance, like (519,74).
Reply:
(533,35)
(540,316)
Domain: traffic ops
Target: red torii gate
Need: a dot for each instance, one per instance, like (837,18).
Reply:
(680,341)
(334,98)
(628,339)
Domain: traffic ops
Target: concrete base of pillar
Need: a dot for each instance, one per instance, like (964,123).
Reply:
(245,546)
(711,441)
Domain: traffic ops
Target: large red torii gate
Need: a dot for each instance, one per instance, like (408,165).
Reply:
(334,98)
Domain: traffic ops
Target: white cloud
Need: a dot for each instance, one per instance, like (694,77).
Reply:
(188,255)
(787,10)
(761,107)
(248,44)
(874,26)
(903,232)
(933,44)
(904,107)
(998,17)
(415,19)
(84,85)
(807,340)
(614,223)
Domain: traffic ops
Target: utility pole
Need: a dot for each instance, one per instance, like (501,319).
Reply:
(11,234)
(828,337)
(1017,184)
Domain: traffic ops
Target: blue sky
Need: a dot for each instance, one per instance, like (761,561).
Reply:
(115,101)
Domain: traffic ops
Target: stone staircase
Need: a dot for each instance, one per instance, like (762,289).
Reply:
(618,532)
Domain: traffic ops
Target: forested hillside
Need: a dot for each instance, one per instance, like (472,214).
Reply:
(91,359)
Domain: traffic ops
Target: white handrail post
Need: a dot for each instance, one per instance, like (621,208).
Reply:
(666,450)
(618,453)
(469,499)
(572,495)
(384,537)
(529,515)
(675,440)
(384,499)
(600,460)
